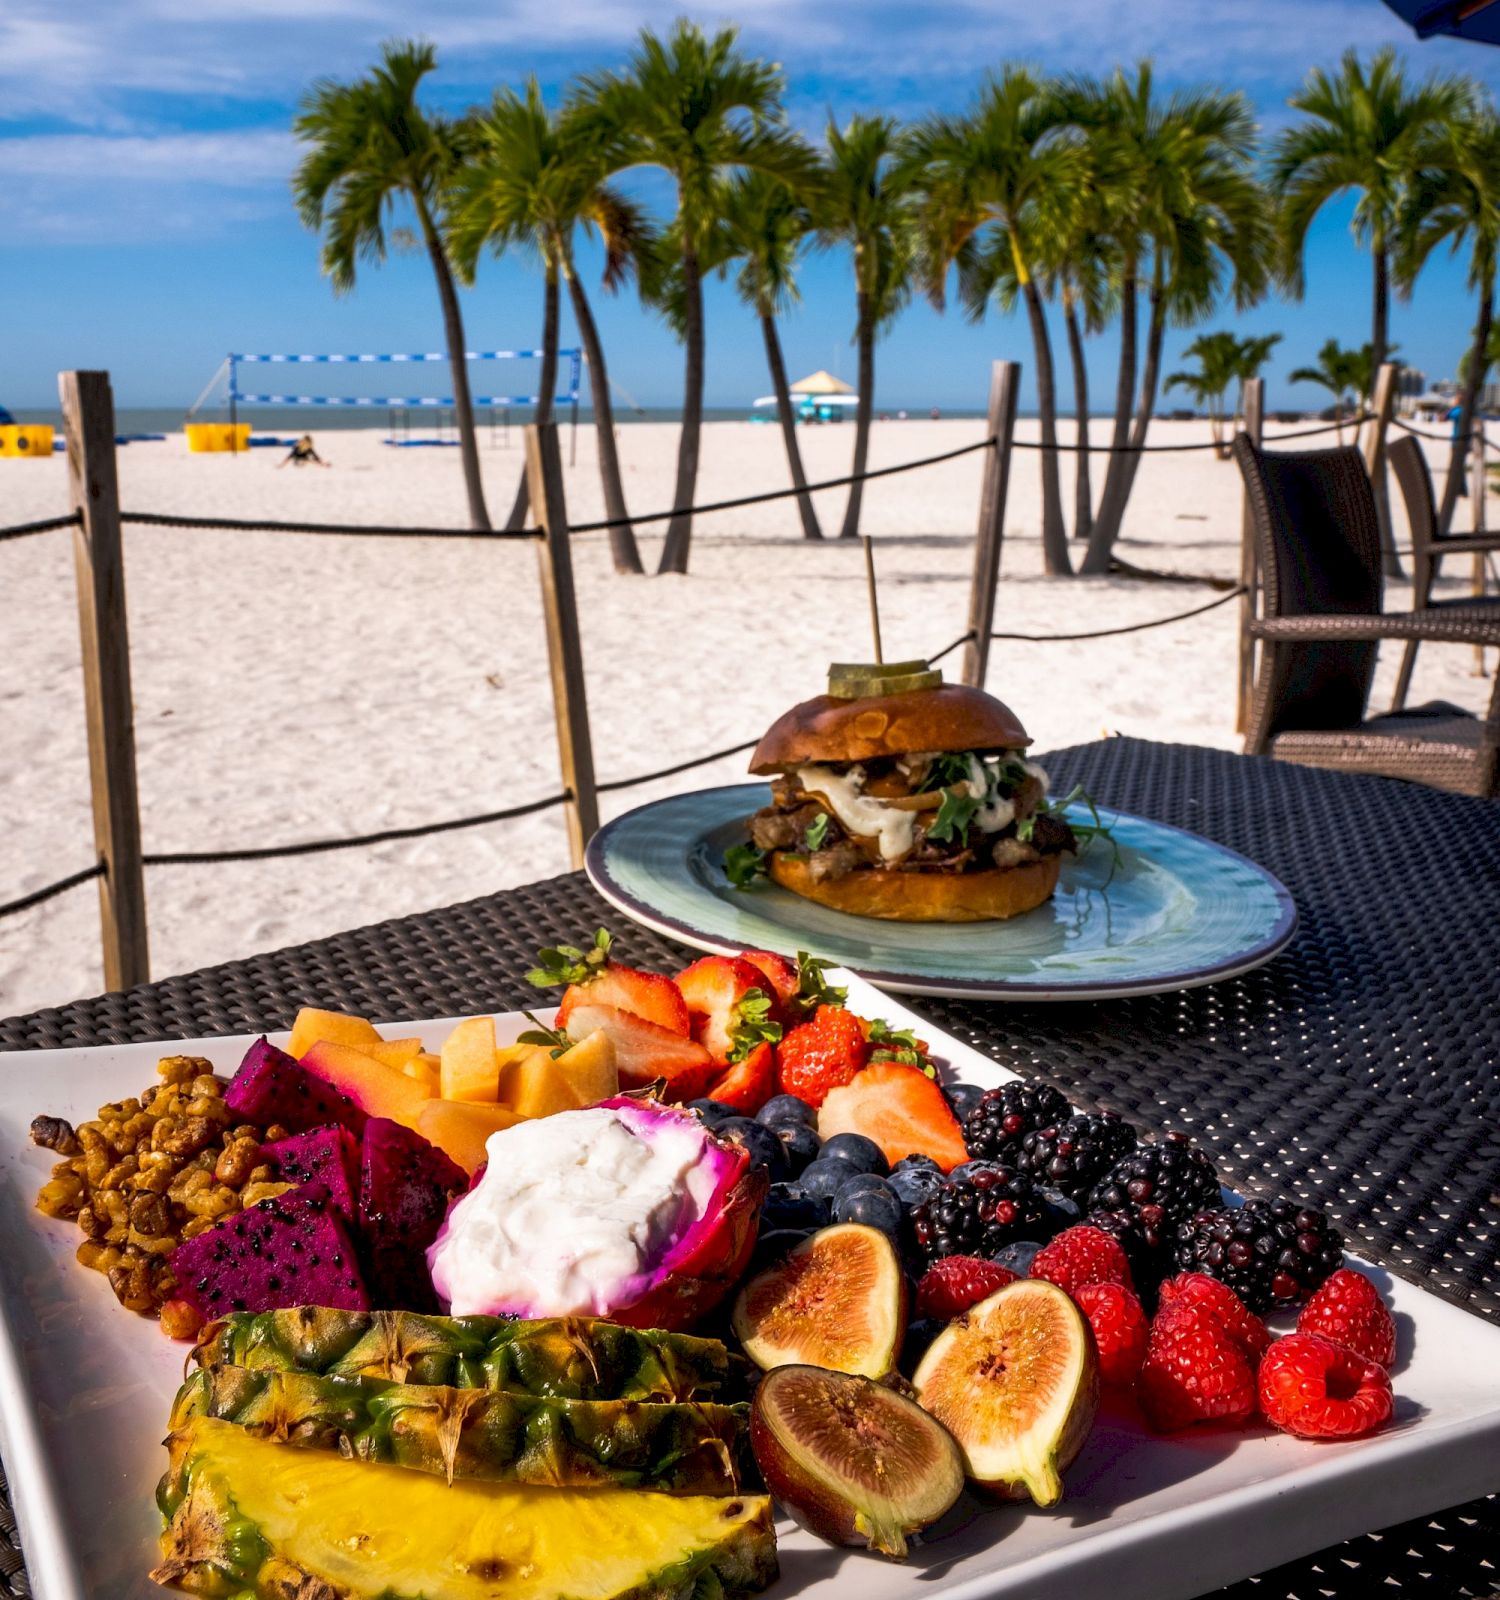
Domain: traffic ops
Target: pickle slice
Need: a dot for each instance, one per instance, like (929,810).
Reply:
(899,683)
(875,669)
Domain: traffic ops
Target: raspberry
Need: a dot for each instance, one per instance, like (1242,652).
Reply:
(1081,1255)
(1120,1330)
(1193,1372)
(1348,1309)
(950,1286)
(823,1054)
(1317,1389)
(1199,1292)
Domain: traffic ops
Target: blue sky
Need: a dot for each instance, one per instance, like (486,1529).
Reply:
(145,224)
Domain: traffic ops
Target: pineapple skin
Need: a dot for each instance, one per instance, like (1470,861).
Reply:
(252,1520)
(569,1358)
(691,1448)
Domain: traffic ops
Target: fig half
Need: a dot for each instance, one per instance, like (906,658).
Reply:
(852,1461)
(838,1301)
(1015,1380)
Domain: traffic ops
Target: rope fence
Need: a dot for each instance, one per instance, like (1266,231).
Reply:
(19,530)
(52,890)
(168,519)
(1174,449)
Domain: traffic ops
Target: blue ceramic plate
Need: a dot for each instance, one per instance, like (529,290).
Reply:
(1172,911)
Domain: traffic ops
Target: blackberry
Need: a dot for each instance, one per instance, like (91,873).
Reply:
(1270,1252)
(1148,1266)
(995,1206)
(1160,1185)
(994,1129)
(1073,1155)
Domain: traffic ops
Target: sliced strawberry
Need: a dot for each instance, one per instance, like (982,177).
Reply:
(645,1052)
(646,994)
(901,1109)
(713,988)
(749,1083)
(777,971)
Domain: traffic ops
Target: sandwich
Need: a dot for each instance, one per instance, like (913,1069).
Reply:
(898,796)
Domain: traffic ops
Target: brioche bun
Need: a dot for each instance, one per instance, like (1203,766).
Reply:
(924,896)
(953,717)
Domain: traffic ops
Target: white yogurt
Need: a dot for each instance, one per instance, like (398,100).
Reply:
(571,1215)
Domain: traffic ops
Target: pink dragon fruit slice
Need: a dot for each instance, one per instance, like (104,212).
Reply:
(271,1086)
(322,1155)
(405,1184)
(291,1250)
(654,1276)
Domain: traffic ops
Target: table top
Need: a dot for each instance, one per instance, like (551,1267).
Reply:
(1359,1071)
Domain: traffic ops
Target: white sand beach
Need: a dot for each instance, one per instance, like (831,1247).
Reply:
(293,687)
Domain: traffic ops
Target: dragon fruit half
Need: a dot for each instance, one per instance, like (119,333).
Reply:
(322,1155)
(630,1210)
(271,1086)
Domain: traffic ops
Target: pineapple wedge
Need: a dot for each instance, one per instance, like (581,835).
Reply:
(572,1358)
(689,1448)
(251,1518)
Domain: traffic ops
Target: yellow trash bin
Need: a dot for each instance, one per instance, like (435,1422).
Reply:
(26,439)
(218,436)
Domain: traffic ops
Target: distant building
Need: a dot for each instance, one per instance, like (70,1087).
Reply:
(1410,382)
(1489,397)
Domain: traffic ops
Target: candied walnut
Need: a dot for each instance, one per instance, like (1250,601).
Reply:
(131,1281)
(61,1196)
(91,1224)
(237,1162)
(100,1257)
(179,1320)
(148,1214)
(54,1133)
(182,1069)
(253,1193)
(185,1138)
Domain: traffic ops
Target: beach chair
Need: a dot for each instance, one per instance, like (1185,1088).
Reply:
(1428,547)
(1318,543)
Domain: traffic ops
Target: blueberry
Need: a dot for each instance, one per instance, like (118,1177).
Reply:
(873,1203)
(781,1109)
(858,1151)
(861,1180)
(914,1162)
(1061,1211)
(825,1177)
(919,1337)
(774,1247)
(713,1112)
(913,1184)
(1018,1256)
(965,1173)
(799,1142)
(763,1145)
(963,1097)
(787,1206)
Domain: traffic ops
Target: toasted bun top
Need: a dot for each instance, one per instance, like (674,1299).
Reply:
(954,717)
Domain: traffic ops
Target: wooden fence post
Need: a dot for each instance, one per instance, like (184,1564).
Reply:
(1255,412)
(1381,407)
(564,645)
(1005,385)
(1478,484)
(89,426)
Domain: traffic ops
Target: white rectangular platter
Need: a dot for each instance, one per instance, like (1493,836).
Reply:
(85,1389)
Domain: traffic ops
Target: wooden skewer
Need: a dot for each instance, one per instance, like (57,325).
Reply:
(869,544)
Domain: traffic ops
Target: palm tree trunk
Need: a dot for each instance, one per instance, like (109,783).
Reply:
(463,403)
(810,528)
(1124,397)
(546,387)
(674,554)
(622,546)
(863,412)
(1473,382)
(1379,339)
(1083,494)
(1055,560)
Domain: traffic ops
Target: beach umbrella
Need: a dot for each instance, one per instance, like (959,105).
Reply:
(1477,20)
(821,383)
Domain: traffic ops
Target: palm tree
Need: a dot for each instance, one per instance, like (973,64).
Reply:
(368,145)
(1001,172)
(865,203)
(1253,353)
(530,183)
(1085,275)
(1363,130)
(1454,198)
(1344,373)
(1218,358)
(767,225)
(698,108)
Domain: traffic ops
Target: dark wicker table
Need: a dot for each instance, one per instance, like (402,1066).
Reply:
(1359,1071)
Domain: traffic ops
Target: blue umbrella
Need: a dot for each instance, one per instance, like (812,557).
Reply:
(1477,20)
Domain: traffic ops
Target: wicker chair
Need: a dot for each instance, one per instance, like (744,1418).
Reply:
(1317,540)
(1428,547)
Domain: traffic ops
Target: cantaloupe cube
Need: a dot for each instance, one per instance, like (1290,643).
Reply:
(589,1069)
(333,1027)
(469,1070)
(392,1052)
(377,1090)
(459,1128)
(536,1084)
(425,1069)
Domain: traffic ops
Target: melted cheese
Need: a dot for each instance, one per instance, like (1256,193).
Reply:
(860,813)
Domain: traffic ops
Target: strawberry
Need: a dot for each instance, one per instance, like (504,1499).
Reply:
(645,1052)
(901,1109)
(950,1286)
(1193,1372)
(777,971)
(1081,1255)
(1198,1292)
(749,1083)
(1348,1309)
(1318,1389)
(897,1044)
(729,1004)
(1120,1330)
(592,979)
(822,1054)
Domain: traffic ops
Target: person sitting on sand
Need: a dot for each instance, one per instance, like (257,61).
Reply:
(302,454)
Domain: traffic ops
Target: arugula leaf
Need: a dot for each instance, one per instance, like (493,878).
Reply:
(566,963)
(812,991)
(743,864)
(954,816)
(948,768)
(1085,832)
(817,832)
(752,1024)
(554,1038)
(900,1045)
